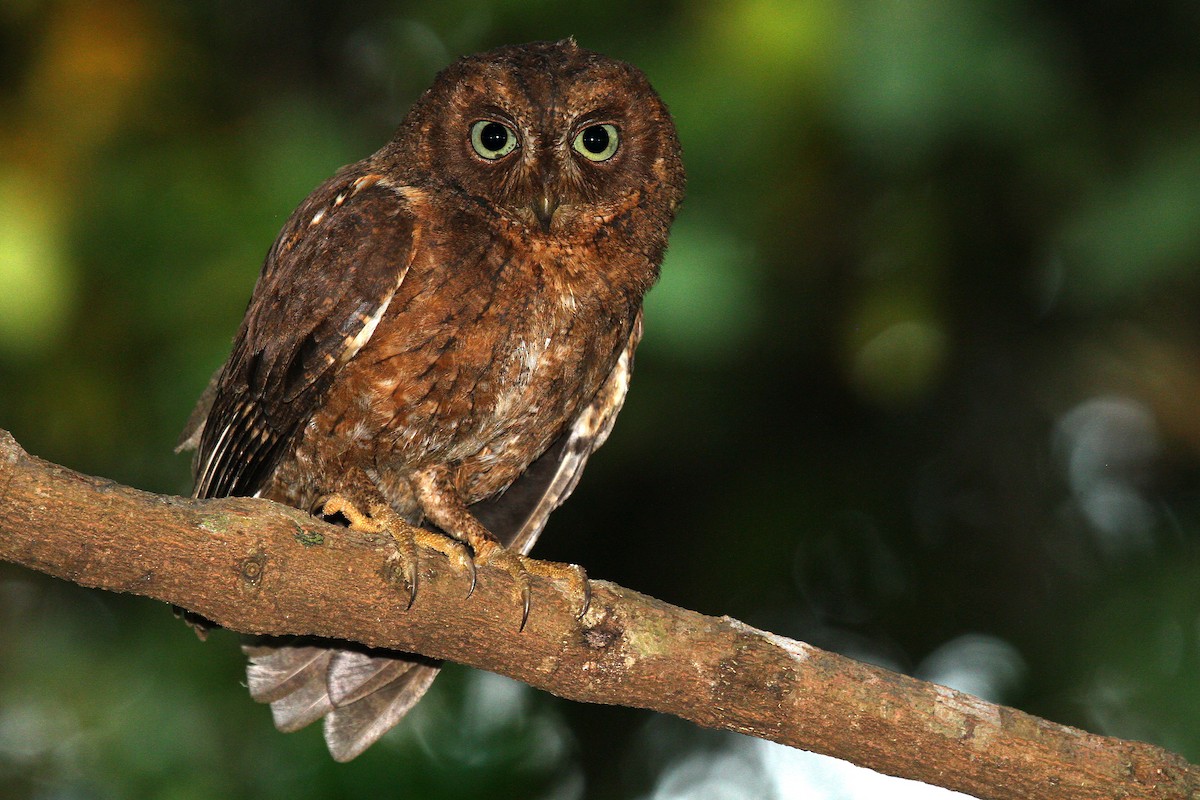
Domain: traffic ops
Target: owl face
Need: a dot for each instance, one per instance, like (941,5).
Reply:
(555,137)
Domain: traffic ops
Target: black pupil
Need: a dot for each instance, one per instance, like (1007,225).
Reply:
(595,139)
(494,136)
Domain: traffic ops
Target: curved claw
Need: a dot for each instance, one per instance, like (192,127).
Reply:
(474,575)
(411,572)
(410,576)
(379,517)
(525,597)
(587,598)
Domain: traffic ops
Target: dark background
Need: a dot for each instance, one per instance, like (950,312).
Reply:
(918,384)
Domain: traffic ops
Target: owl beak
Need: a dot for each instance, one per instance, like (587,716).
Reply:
(544,206)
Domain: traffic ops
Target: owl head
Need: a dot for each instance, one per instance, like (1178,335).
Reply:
(555,137)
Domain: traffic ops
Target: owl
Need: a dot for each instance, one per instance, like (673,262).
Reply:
(441,335)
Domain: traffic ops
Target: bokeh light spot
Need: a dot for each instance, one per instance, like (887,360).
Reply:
(34,271)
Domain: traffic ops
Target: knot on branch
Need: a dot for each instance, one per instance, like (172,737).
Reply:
(251,569)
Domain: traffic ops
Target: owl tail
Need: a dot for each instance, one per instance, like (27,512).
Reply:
(361,695)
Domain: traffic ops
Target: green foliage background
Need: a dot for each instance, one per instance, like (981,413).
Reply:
(919,383)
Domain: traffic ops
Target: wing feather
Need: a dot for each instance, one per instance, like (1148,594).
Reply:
(303,323)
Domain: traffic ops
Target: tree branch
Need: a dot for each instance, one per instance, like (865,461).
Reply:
(258,567)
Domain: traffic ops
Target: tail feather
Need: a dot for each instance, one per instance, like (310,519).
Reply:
(351,729)
(275,672)
(352,675)
(360,694)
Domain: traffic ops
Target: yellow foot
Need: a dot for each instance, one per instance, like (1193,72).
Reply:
(578,585)
(437,494)
(407,539)
(520,568)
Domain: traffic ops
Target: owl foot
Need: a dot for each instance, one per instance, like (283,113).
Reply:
(490,552)
(578,585)
(408,540)
(439,499)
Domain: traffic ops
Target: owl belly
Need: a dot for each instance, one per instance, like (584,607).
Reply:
(490,407)
(527,407)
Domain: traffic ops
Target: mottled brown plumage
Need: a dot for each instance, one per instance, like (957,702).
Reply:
(444,331)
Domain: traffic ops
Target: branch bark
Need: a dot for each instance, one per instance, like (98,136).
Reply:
(258,567)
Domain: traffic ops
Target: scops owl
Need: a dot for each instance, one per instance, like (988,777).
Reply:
(442,334)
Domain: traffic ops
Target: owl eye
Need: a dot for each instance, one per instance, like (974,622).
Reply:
(493,140)
(597,142)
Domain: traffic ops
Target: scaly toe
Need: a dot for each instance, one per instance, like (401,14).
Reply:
(380,518)
(405,566)
(458,553)
(578,585)
(402,536)
(454,550)
(515,565)
(339,504)
(406,540)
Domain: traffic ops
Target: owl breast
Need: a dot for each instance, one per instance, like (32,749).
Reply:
(478,365)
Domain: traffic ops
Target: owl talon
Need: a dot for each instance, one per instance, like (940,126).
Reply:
(525,597)
(407,571)
(411,573)
(587,596)
(408,540)
(573,575)
(491,552)
(474,576)
(457,552)
(521,567)
(380,518)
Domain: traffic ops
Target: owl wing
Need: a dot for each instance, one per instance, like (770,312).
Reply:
(303,323)
(517,517)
